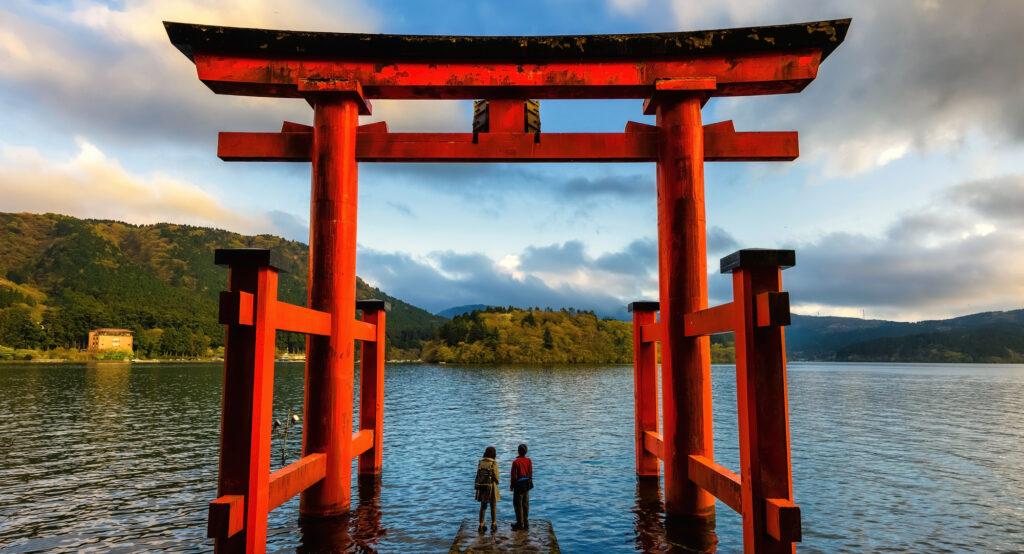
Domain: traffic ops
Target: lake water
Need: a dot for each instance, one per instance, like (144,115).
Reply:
(918,458)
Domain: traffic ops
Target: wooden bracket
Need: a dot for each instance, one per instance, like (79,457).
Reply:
(667,89)
(337,87)
(236,308)
(772,309)
(227,516)
(782,519)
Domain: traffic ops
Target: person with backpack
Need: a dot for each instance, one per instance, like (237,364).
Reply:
(522,482)
(487,486)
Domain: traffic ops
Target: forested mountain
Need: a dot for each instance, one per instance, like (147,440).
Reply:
(983,337)
(61,277)
(513,335)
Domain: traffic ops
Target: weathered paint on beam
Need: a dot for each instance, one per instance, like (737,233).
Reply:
(736,75)
(190,38)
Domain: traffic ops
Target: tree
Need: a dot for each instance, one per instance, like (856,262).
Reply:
(549,341)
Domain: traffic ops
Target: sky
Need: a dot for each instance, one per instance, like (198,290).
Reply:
(905,203)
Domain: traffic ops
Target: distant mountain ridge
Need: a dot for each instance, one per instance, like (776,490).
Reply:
(982,337)
(459,310)
(74,275)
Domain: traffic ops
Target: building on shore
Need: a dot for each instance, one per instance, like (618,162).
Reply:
(110,339)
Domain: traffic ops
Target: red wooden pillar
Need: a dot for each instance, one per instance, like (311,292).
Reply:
(770,519)
(247,403)
(645,385)
(332,289)
(682,275)
(371,386)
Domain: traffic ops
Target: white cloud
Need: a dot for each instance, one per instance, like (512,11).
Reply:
(89,184)
(956,255)
(912,77)
(110,72)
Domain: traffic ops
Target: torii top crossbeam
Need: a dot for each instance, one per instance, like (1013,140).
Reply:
(744,61)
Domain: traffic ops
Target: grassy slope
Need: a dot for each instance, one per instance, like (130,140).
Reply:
(108,273)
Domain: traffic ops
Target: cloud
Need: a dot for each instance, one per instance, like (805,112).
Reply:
(623,186)
(90,184)
(290,226)
(720,241)
(559,275)
(959,254)
(911,77)
(553,258)
(998,198)
(109,72)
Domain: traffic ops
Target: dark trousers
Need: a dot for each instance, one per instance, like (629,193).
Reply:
(521,502)
(483,510)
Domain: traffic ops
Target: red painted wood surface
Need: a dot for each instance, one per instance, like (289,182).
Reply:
(763,411)
(718,319)
(236,308)
(782,519)
(721,144)
(236,408)
(257,497)
(654,444)
(645,391)
(650,332)
(227,516)
(506,115)
(772,309)
(295,478)
(682,277)
(739,74)
(332,282)
(371,393)
(724,484)
(362,441)
(301,320)
(364,331)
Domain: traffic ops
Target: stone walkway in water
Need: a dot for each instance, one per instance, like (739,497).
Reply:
(539,538)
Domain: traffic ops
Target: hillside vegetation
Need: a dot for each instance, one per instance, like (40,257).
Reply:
(511,335)
(60,277)
(989,337)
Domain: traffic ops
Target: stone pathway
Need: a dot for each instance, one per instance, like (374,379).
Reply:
(539,538)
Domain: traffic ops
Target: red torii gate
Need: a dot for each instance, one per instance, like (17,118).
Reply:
(676,73)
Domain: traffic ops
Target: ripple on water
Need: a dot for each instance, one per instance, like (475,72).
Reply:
(921,458)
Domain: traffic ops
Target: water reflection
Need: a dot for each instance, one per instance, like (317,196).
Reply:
(657,533)
(357,531)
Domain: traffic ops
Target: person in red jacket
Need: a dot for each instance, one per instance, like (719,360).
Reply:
(522,482)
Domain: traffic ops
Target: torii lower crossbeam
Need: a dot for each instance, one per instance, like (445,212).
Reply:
(639,143)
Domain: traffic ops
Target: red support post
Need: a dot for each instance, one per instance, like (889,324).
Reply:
(371,386)
(332,283)
(645,386)
(682,276)
(770,520)
(247,402)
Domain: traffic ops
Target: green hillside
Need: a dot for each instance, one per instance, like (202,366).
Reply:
(512,335)
(61,277)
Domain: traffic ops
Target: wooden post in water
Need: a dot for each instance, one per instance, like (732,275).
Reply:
(771,521)
(645,386)
(332,288)
(682,280)
(238,518)
(371,386)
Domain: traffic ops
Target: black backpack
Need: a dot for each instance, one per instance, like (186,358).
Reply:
(484,477)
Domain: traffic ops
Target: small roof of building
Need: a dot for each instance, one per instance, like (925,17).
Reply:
(190,38)
(109,331)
